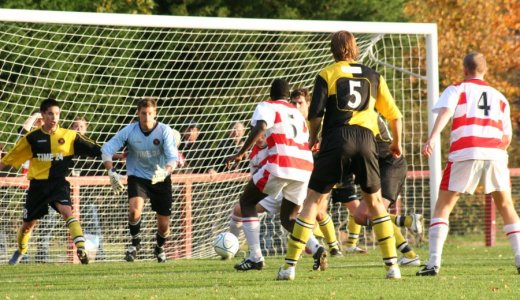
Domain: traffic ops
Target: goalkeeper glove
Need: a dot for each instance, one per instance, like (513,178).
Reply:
(116,181)
(159,175)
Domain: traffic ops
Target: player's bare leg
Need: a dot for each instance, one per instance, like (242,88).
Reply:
(251,225)
(505,206)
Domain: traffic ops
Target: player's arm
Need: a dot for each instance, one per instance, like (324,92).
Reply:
(443,117)
(396,126)
(385,105)
(20,153)
(507,128)
(86,147)
(112,146)
(317,109)
(444,108)
(256,132)
(107,151)
(29,123)
(170,153)
(170,150)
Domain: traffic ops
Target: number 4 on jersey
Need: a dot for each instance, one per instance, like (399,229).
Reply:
(483,104)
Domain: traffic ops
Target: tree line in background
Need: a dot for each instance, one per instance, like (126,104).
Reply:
(491,27)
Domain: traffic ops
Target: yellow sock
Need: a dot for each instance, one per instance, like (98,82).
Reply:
(402,244)
(393,218)
(385,236)
(317,232)
(297,239)
(75,232)
(329,232)
(353,232)
(408,221)
(23,241)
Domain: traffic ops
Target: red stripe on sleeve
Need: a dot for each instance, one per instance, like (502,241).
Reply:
(503,105)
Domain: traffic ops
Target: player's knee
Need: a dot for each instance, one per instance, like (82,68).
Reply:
(360,219)
(321,215)
(164,230)
(134,214)
(237,211)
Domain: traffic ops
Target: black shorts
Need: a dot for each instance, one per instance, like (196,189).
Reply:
(41,194)
(393,175)
(160,194)
(345,150)
(345,191)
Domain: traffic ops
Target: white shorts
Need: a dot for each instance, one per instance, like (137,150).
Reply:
(272,204)
(292,190)
(465,176)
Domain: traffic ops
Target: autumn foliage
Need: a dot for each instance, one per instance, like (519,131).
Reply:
(489,27)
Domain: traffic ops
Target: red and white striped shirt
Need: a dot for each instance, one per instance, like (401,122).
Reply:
(287,140)
(257,158)
(481,118)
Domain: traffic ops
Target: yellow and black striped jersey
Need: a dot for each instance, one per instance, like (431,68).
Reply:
(50,155)
(347,93)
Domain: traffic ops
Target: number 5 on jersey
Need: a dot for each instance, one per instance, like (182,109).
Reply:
(352,94)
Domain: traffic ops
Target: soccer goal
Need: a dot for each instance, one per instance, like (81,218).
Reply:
(208,71)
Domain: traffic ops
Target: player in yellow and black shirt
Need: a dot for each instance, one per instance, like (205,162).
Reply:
(345,97)
(50,150)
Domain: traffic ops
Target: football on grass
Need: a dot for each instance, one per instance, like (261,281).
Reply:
(226,245)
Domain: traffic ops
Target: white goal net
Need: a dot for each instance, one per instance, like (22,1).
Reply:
(207,71)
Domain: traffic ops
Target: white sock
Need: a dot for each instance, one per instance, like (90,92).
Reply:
(235,225)
(313,244)
(251,228)
(439,229)
(513,234)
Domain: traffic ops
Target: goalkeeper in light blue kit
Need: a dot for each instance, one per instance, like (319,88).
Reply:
(152,156)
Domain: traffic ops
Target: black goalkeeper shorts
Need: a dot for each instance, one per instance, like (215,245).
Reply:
(160,194)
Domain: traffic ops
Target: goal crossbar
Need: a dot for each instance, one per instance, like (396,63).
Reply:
(110,19)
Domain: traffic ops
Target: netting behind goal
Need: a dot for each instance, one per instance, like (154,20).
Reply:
(212,77)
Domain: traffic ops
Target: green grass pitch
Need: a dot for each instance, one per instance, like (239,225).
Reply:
(469,271)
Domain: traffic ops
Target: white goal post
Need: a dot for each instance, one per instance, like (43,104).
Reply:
(208,71)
